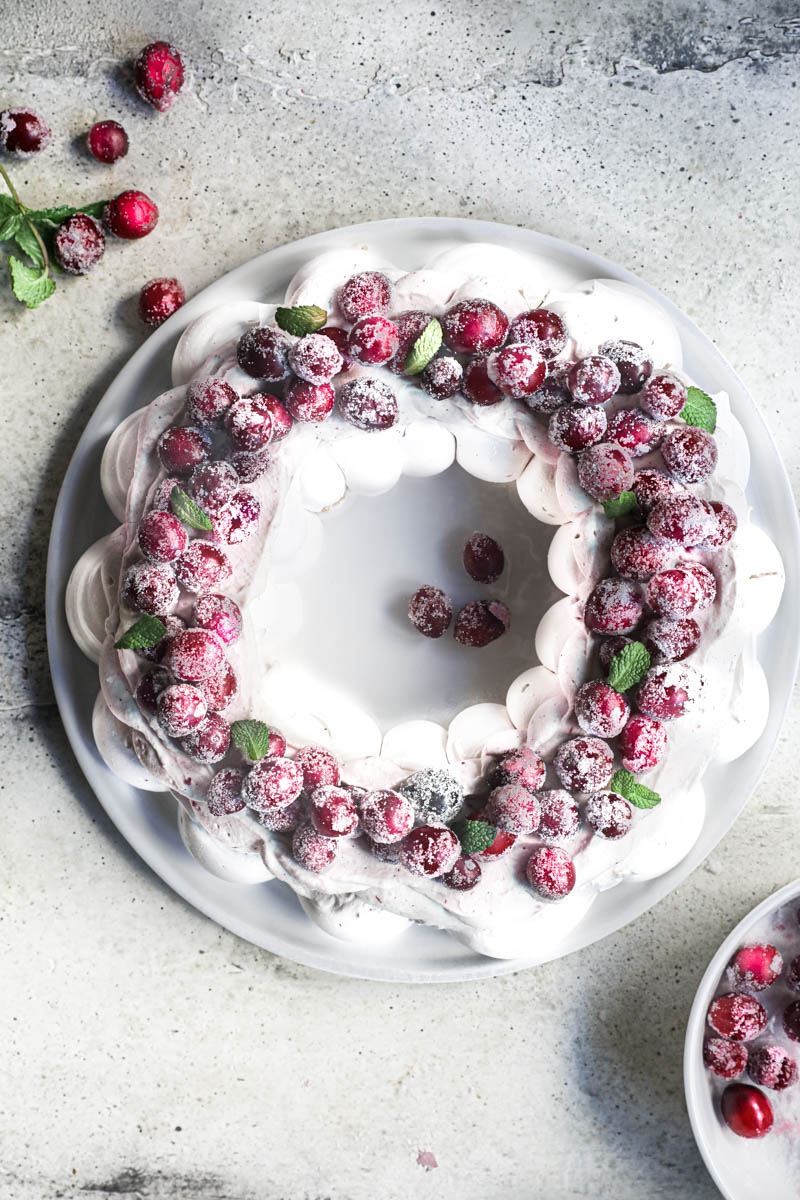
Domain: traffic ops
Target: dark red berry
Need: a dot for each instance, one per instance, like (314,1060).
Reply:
(723,1058)
(194,654)
(149,688)
(608,815)
(264,354)
(150,589)
(682,590)
(755,968)
(161,537)
(23,132)
(315,358)
(541,329)
(130,215)
(430,611)
(481,622)
(219,614)
(249,422)
(339,338)
(584,764)
(600,709)
(368,403)
(690,454)
(159,299)
(669,691)
(608,648)
(615,606)
(209,399)
(593,380)
(523,767)
(483,557)
(333,811)
(158,74)
(633,363)
(746,1111)
(464,874)
(202,568)
(518,370)
(224,795)
(642,744)
(173,625)
(638,554)
(181,708)
(250,465)
(651,486)
(605,470)
(791,1020)
(559,816)
(553,393)
(474,326)
(772,1067)
(311,850)
(684,518)
(671,641)
(273,783)
(363,294)
(725,527)
(442,377)
(636,432)
(663,396)
(477,386)
(80,244)
(220,689)
(108,141)
(373,340)
(238,520)
(573,428)
(308,402)
(429,850)
(410,324)
(551,873)
(213,485)
(737,1016)
(514,809)
(181,449)
(209,742)
(318,766)
(386,816)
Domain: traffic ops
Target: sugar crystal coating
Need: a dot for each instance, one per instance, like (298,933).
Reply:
(614,606)
(272,783)
(181,449)
(160,298)
(209,742)
(264,354)
(194,654)
(663,396)
(315,358)
(283,820)
(202,567)
(755,967)
(685,518)
(725,526)
(442,377)
(429,850)
(559,816)
(551,872)
(483,558)
(772,1067)
(368,403)
(477,386)
(593,380)
(690,454)
(605,470)
(669,691)
(636,432)
(474,326)
(682,590)
(637,553)
(373,340)
(249,423)
(514,809)
(311,850)
(221,615)
(435,794)
(517,369)
(318,766)
(737,1016)
(80,244)
(181,708)
(524,767)
(149,588)
(209,399)
(161,537)
(333,811)
(723,1058)
(481,622)
(600,710)
(650,486)
(464,874)
(410,325)
(430,611)
(540,328)
(224,795)
(632,361)
(584,764)
(608,815)
(386,815)
(671,640)
(309,402)
(212,485)
(364,293)
(220,689)
(573,427)
(642,744)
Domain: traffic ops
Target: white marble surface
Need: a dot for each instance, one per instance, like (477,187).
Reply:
(143,1051)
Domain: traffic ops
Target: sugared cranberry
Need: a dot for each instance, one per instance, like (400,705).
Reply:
(386,816)
(249,423)
(605,470)
(474,326)
(161,499)
(373,340)
(791,1020)
(209,742)
(746,1111)
(283,820)
(553,393)
(464,874)
(333,811)
(480,622)
(642,744)
(683,590)
(220,689)
(273,783)
(161,537)
(615,606)
(608,648)
(540,328)
(208,400)
(194,654)
(318,766)
(684,518)
(23,132)
(384,852)
(637,553)
(772,1067)
(158,74)
(593,380)
(181,708)
(500,845)
(477,386)
(737,1016)
(311,850)
(517,369)
(150,589)
(219,614)
(429,850)
(410,324)
(80,244)
(633,363)
(430,611)
(690,454)
(315,358)
(173,625)
(551,872)
(250,465)
(213,485)
(483,558)
(754,968)
(277,742)
(107,141)
(363,294)
(149,688)
(159,299)
(663,396)
(669,691)
(793,971)
(574,428)
(435,795)
(368,403)
(442,377)
(310,401)
(238,520)
(584,764)
(202,567)
(725,1059)
(264,354)
(130,215)
(514,809)
(651,486)
(608,815)
(600,710)
(224,795)
(636,432)
(559,816)
(725,526)
(339,338)
(523,767)
(671,641)
(181,450)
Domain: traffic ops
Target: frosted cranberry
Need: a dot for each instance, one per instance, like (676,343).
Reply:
(239,520)
(220,689)
(483,557)
(684,518)
(633,363)
(273,783)
(249,423)
(553,393)
(608,815)
(517,369)
(690,454)
(339,338)
(435,794)
(161,537)
(746,1111)
(791,1021)
(442,377)
(386,816)
(181,450)
(384,852)
(281,418)
(600,710)
(210,741)
(208,400)
(410,325)
(373,340)
(173,625)
(150,589)
(250,465)
(772,1067)
(159,299)
(651,486)
(224,795)
(130,215)
(149,688)
(637,553)
(523,767)
(277,742)
(315,358)
(311,850)
(615,606)
(573,428)
(663,396)
(107,141)
(669,691)
(429,850)
(213,485)
(194,654)
(333,812)
(551,873)
(365,293)
(642,744)
(755,968)
(737,1016)
(219,614)
(161,499)
(593,380)
(368,403)
(683,590)
(636,432)
(284,820)
(473,326)
(793,972)
(477,386)
(671,641)
(584,764)
(430,611)
(605,470)
(559,816)
(514,809)
(480,622)
(80,244)
(181,708)
(499,847)
(541,329)
(202,567)
(725,1059)
(725,527)
(264,354)
(310,401)
(158,74)
(318,766)
(464,874)
(608,648)
(23,132)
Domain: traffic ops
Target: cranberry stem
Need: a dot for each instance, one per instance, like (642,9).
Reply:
(24,213)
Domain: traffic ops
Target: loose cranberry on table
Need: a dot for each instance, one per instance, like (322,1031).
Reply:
(483,558)
(264,354)
(690,454)
(150,589)
(309,402)
(755,968)
(636,432)
(311,850)
(368,403)
(130,215)
(318,766)
(202,568)
(386,815)
(181,449)
(514,809)
(725,527)
(107,141)
(315,358)
(481,622)
(523,767)
(746,1111)
(682,590)
(608,815)
(194,654)
(723,1058)
(333,811)
(573,428)
(442,377)
(650,486)
(584,764)
(224,795)
(605,470)
(540,328)
(634,364)
(181,708)
(220,615)
(560,816)
(600,710)
(684,518)
(212,485)
(638,554)
(373,340)
(159,299)
(772,1067)
(161,536)
(593,380)
(671,640)
(363,294)
(158,74)
(220,689)
(209,400)
(474,326)
(551,872)
(477,386)
(464,875)
(429,850)
(273,783)
(737,1016)
(430,611)
(410,325)
(173,625)
(518,370)
(642,744)
(209,742)
(149,688)
(80,244)
(614,606)
(669,691)
(23,132)
(663,396)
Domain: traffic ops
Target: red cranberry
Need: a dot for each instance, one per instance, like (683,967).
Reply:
(158,74)
(499,847)
(737,1016)
(725,1059)
(651,486)
(608,648)
(541,329)
(386,816)
(173,625)
(473,326)
(264,354)
(573,427)
(220,689)
(149,688)
(746,1111)
(635,432)
(181,450)
(637,553)
(273,783)
(219,614)
(23,132)
(373,340)
(584,764)
(772,1067)
(281,419)
(514,809)
(224,795)
(522,767)
(383,852)
(553,393)
(608,815)
(209,742)
(333,812)
(80,244)
(194,654)
(517,369)
(442,377)
(605,470)
(464,875)
(213,485)
(250,465)
(249,423)
(238,520)
(429,850)
(410,325)
(161,537)
(477,386)
(793,972)
(593,380)
(311,850)
(181,708)
(159,299)
(161,500)
(690,454)
(600,710)
(791,1021)
(318,766)
(368,404)
(130,215)
(559,816)
(363,294)
(339,338)
(310,401)
(430,611)
(150,589)
(315,358)
(755,968)
(682,591)
(284,820)
(671,641)
(202,567)
(483,557)
(209,400)
(668,691)
(725,526)
(551,872)
(277,742)
(663,396)
(108,141)
(684,518)
(615,606)
(633,363)
(642,744)
(479,623)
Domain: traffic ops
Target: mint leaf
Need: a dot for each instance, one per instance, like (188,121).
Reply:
(300,320)
(8,205)
(474,836)
(30,284)
(628,666)
(624,784)
(187,511)
(251,737)
(9,223)
(424,348)
(144,633)
(699,410)
(621,505)
(26,240)
(56,215)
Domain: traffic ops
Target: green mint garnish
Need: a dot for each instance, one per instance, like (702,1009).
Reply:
(144,633)
(424,348)
(474,836)
(624,784)
(187,511)
(251,737)
(300,320)
(699,410)
(56,215)
(28,244)
(628,666)
(31,285)
(621,505)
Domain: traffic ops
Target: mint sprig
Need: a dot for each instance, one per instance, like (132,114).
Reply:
(699,410)
(424,348)
(621,505)
(300,320)
(475,836)
(628,666)
(624,784)
(31,285)
(144,633)
(187,511)
(251,737)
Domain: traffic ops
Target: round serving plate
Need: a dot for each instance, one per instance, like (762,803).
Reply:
(269,914)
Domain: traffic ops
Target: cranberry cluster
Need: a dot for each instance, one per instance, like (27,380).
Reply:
(479,622)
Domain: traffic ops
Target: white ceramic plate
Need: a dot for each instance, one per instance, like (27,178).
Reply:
(269,915)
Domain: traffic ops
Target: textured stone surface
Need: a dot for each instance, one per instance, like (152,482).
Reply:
(144,1051)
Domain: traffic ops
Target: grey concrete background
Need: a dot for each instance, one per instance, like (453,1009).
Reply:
(143,1051)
